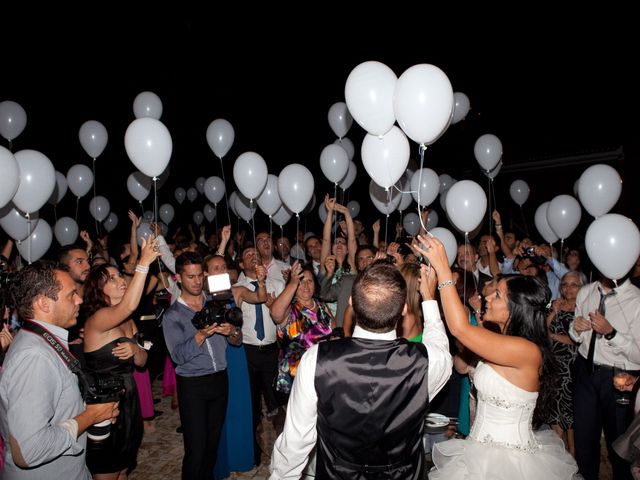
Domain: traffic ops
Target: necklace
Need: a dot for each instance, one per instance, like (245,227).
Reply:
(312,307)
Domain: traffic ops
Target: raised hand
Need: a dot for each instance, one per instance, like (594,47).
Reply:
(330,265)
(150,251)
(135,220)
(225,234)
(428,282)
(296,273)
(261,273)
(433,249)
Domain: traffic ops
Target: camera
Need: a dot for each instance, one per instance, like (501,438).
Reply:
(530,251)
(218,309)
(101,390)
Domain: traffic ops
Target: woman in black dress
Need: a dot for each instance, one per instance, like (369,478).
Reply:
(111,350)
(564,349)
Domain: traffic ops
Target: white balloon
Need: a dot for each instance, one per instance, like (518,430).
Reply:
(13,119)
(599,189)
(250,174)
(66,231)
(10,176)
(613,244)
(144,231)
(192,194)
(147,104)
(425,186)
(59,190)
(340,119)
(496,170)
(214,189)
(354,208)
(466,205)
(148,144)
(448,240)
(446,182)
(198,217)
(576,184)
(563,215)
(347,144)
(37,180)
(269,200)
(386,201)
(200,184)
(139,185)
(369,95)
(244,207)
(443,200)
(350,177)
(334,162)
(80,180)
(406,196)
(461,107)
(322,212)
(163,229)
(34,247)
(295,187)
(519,191)
(99,208)
(232,202)
(423,103)
(411,223)
(220,137)
(16,224)
(180,194)
(209,212)
(282,216)
(167,212)
(93,138)
(385,158)
(488,151)
(540,220)
(432,219)
(147,216)
(111,222)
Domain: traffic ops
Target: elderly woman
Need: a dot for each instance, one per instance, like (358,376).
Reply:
(112,351)
(302,320)
(558,320)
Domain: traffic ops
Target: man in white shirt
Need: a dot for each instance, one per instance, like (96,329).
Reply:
(361,400)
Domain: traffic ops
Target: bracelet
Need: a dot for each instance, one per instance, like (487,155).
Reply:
(498,225)
(611,334)
(446,284)
(142,268)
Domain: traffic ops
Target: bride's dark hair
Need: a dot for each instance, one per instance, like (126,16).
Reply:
(528,300)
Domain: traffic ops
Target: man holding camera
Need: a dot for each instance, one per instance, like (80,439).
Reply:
(42,415)
(201,369)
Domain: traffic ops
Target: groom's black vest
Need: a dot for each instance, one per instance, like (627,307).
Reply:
(372,398)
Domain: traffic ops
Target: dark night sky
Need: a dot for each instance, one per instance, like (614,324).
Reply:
(546,91)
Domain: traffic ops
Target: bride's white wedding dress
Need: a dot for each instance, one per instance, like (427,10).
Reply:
(501,444)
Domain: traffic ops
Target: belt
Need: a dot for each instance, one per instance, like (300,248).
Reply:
(267,346)
(147,317)
(598,366)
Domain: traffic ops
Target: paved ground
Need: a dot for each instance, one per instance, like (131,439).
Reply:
(160,456)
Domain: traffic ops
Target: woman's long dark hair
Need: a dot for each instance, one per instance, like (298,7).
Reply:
(528,300)
(94,297)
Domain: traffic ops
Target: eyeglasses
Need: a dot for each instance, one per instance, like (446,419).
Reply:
(569,285)
(370,257)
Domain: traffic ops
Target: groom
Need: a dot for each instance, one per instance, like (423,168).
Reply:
(365,397)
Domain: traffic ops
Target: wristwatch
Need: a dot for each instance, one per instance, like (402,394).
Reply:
(611,334)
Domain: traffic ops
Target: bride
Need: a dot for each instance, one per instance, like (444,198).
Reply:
(515,383)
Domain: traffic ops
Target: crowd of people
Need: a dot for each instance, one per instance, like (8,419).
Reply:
(345,342)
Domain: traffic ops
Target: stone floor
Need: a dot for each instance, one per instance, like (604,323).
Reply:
(160,456)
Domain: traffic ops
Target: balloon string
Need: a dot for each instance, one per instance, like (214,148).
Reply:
(141,208)
(215,217)
(95,205)
(561,250)
(55,213)
(29,244)
(270,227)
(155,200)
(10,146)
(335,215)
(252,224)
(77,205)
(489,210)
(386,225)
(226,198)
(421,151)
(297,225)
